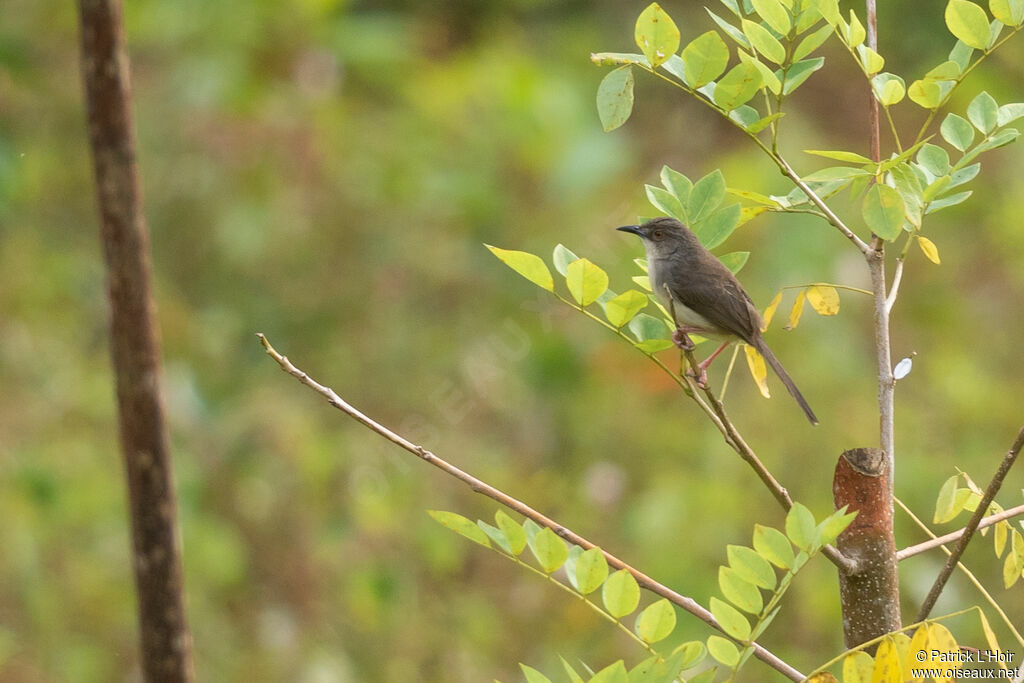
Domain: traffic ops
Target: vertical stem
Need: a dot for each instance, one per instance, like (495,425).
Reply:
(876,264)
(166,646)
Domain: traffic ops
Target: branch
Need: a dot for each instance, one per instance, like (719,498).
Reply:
(972,526)
(165,642)
(483,488)
(930,544)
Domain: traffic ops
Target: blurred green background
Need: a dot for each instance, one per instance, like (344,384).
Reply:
(326,172)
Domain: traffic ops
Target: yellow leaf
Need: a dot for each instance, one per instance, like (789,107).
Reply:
(887,667)
(942,643)
(823,299)
(990,636)
(929,249)
(769,312)
(749,212)
(857,667)
(823,677)
(902,642)
(919,644)
(798,309)
(757,370)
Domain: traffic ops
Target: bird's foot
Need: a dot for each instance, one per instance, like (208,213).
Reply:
(682,340)
(700,377)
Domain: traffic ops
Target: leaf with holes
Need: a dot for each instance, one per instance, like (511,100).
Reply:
(656,34)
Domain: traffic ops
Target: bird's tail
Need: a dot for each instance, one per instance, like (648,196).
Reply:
(763,349)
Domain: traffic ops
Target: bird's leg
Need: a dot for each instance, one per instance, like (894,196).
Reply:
(682,340)
(701,376)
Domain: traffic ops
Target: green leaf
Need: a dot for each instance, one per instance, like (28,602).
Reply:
(935,188)
(945,507)
(934,159)
(654,345)
(622,308)
(797,73)
(774,14)
(591,571)
(730,619)
(948,201)
(716,228)
(1009,12)
(829,10)
(723,651)
(613,673)
(676,183)
(562,257)
(768,77)
(835,524)
(871,61)
(735,260)
(549,550)
(495,535)
(925,93)
(704,59)
(615,98)
(957,131)
(656,622)
(983,112)
(621,594)
(750,565)
(656,34)
(533,676)
(812,42)
(800,526)
(666,202)
(586,281)
(513,532)
(909,187)
(772,545)
(882,211)
(968,22)
(836,173)
(964,175)
(461,526)
(730,30)
(760,124)
(618,59)
(763,41)
(1003,137)
(528,265)
(840,155)
(1008,113)
(571,672)
(706,195)
(645,327)
(739,591)
(889,88)
(961,54)
(855,34)
(737,86)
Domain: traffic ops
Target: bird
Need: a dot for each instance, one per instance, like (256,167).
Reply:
(704,296)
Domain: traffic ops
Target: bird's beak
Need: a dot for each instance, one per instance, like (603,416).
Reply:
(635,229)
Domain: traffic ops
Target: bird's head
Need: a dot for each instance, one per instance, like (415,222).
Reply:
(662,236)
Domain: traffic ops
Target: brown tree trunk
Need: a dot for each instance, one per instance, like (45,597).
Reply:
(870,596)
(135,350)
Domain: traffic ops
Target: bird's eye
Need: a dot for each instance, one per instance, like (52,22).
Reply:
(658,234)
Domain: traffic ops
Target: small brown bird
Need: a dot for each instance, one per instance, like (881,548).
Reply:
(706,297)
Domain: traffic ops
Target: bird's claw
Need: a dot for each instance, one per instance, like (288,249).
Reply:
(682,340)
(700,377)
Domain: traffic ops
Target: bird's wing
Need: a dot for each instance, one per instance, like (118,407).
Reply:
(718,296)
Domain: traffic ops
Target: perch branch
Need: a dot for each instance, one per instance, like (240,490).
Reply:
(930,544)
(483,488)
(972,526)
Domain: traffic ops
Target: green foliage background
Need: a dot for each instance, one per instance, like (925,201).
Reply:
(326,172)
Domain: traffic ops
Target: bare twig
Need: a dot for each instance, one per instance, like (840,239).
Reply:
(930,544)
(972,525)
(688,604)
(970,576)
(166,646)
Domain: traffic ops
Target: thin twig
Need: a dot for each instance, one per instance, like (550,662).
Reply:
(972,526)
(688,604)
(970,576)
(930,544)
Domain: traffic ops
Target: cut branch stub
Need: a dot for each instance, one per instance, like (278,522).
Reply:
(870,595)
